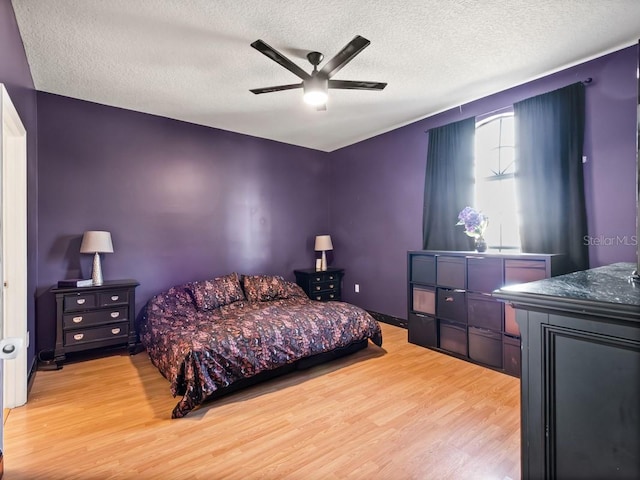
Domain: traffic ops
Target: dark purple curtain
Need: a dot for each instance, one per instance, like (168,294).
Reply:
(549,176)
(448,185)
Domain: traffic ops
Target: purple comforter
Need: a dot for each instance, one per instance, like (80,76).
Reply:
(200,352)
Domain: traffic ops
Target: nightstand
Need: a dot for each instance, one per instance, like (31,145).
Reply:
(321,285)
(95,317)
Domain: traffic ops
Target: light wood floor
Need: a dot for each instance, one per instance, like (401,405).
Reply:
(402,412)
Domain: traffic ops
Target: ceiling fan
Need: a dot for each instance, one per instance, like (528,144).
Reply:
(316,83)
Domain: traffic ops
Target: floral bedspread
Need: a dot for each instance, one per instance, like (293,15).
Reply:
(202,351)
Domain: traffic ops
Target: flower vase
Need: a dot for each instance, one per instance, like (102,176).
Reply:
(481,244)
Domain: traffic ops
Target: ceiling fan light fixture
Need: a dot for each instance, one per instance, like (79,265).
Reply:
(315,91)
(315,98)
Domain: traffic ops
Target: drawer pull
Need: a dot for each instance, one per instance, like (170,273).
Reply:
(448,299)
(318,298)
(114,298)
(318,279)
(80,301)
(77,319)
(115,314)
(330,277)
(115,331)
(331,296)
(78,336)
(331,286)
(317,287)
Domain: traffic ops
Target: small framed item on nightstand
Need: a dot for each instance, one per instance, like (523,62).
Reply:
(75,282)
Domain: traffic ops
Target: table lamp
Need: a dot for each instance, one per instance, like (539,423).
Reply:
(323,243)
(96,242)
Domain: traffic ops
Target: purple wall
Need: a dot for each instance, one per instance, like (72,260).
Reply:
(377,185)
(186,202)
(16,77)
(183,202)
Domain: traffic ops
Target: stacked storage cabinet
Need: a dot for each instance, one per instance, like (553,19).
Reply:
(451,308)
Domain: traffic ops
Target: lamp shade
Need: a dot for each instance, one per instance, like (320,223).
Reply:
(95,241)
(323,243)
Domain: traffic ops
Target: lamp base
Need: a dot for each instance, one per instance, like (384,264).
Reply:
(96,273)
(323,265)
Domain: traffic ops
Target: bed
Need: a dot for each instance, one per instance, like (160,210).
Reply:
(214,336)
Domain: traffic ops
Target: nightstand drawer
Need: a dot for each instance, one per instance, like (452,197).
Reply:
(324,287)
(85,319)
(116,297)
(325,296)
(108,332)
(79,301)
(323,277)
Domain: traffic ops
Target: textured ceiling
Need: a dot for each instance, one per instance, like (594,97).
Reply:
(191,59)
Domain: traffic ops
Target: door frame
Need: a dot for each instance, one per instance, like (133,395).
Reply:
(13,161)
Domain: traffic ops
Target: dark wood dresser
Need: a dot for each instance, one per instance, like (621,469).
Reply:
(95,317)
(580,374)
(323,286)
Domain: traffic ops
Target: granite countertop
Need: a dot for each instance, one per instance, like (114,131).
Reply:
(604,291)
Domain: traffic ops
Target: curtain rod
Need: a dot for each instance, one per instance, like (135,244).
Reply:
(585,82)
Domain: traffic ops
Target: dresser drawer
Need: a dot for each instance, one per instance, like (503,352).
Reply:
(85,319)
(453,337)
(451,271)
(116,297)
(511,355)
(484,311)
(510,325)
(484,274)
(523,271)
(424,300)
(79,301)
(423,269)
(485,347)
(97,334)
(451,305)
(422,330)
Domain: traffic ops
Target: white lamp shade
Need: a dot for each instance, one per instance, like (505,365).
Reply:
(323,243)
(94,241)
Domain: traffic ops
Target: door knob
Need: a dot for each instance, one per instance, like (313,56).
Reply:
(10,347)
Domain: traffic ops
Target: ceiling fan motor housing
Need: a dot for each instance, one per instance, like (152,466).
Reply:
(314,58)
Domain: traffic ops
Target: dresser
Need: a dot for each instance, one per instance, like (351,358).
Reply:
(451,308)
(323,286)
(580,405)
(94,317)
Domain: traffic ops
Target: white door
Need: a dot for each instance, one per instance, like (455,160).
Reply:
(13,254)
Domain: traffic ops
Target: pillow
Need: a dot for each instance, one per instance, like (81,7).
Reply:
(210,294)
(293,290)
(262,288)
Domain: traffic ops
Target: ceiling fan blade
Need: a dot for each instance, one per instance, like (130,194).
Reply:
(344,56)
(277,88)
(277,57)
(356,85)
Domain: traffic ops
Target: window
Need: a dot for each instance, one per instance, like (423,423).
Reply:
(495,192)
